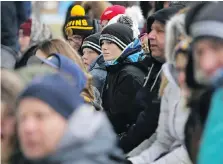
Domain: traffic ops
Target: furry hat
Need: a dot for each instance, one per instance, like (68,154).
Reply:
(174,33)
(124,19)
(39,32)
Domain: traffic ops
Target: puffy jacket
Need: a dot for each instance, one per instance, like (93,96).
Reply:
(125,77)
(147,101)
(170,130)
(97,144)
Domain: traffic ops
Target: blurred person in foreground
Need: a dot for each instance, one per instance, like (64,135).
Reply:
(59,46)
(11,85)
(208,71)
(64,64)
(66,54)
(39,115)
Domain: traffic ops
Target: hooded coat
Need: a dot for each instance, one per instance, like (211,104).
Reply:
(95,145)
(170,130)
(173,115)
(125,77)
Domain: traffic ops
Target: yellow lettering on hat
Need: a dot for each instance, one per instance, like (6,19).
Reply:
(73,23)
(78,23)
(84,22)
(69,24)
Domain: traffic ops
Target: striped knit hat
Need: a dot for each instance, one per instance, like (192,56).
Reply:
(92,42)
(118,33)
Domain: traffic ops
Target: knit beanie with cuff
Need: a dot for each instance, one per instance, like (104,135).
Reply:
(56,91)
(79,23)
(92,42)
(118,33)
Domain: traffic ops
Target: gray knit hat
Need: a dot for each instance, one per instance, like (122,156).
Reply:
(205,20)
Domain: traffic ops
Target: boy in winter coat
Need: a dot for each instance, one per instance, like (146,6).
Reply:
(94,61)
(125,76)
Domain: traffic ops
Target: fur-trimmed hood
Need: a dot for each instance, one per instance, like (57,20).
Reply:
(174,32)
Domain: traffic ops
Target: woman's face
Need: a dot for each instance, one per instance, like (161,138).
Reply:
(181,62)
(209,56)
(7,125)
(110,50)
(89,56)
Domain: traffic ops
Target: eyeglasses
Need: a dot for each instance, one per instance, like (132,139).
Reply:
(75,38)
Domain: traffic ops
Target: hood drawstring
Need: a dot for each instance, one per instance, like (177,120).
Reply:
(156,79)
(148,76)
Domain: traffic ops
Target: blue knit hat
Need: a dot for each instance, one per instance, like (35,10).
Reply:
(57,91)
(64,64)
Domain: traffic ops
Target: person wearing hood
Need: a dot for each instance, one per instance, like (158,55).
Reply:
(207,44)
(207,71)
(168,146)
(147,98)
(69,144)
(125,75)
(79,26)
(94,61)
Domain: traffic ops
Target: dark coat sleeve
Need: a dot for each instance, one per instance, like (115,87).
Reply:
(146,123)
(129,82)
(23,11)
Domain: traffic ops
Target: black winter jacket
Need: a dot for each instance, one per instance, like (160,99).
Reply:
(148,102)
(123,81)
(121,86)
